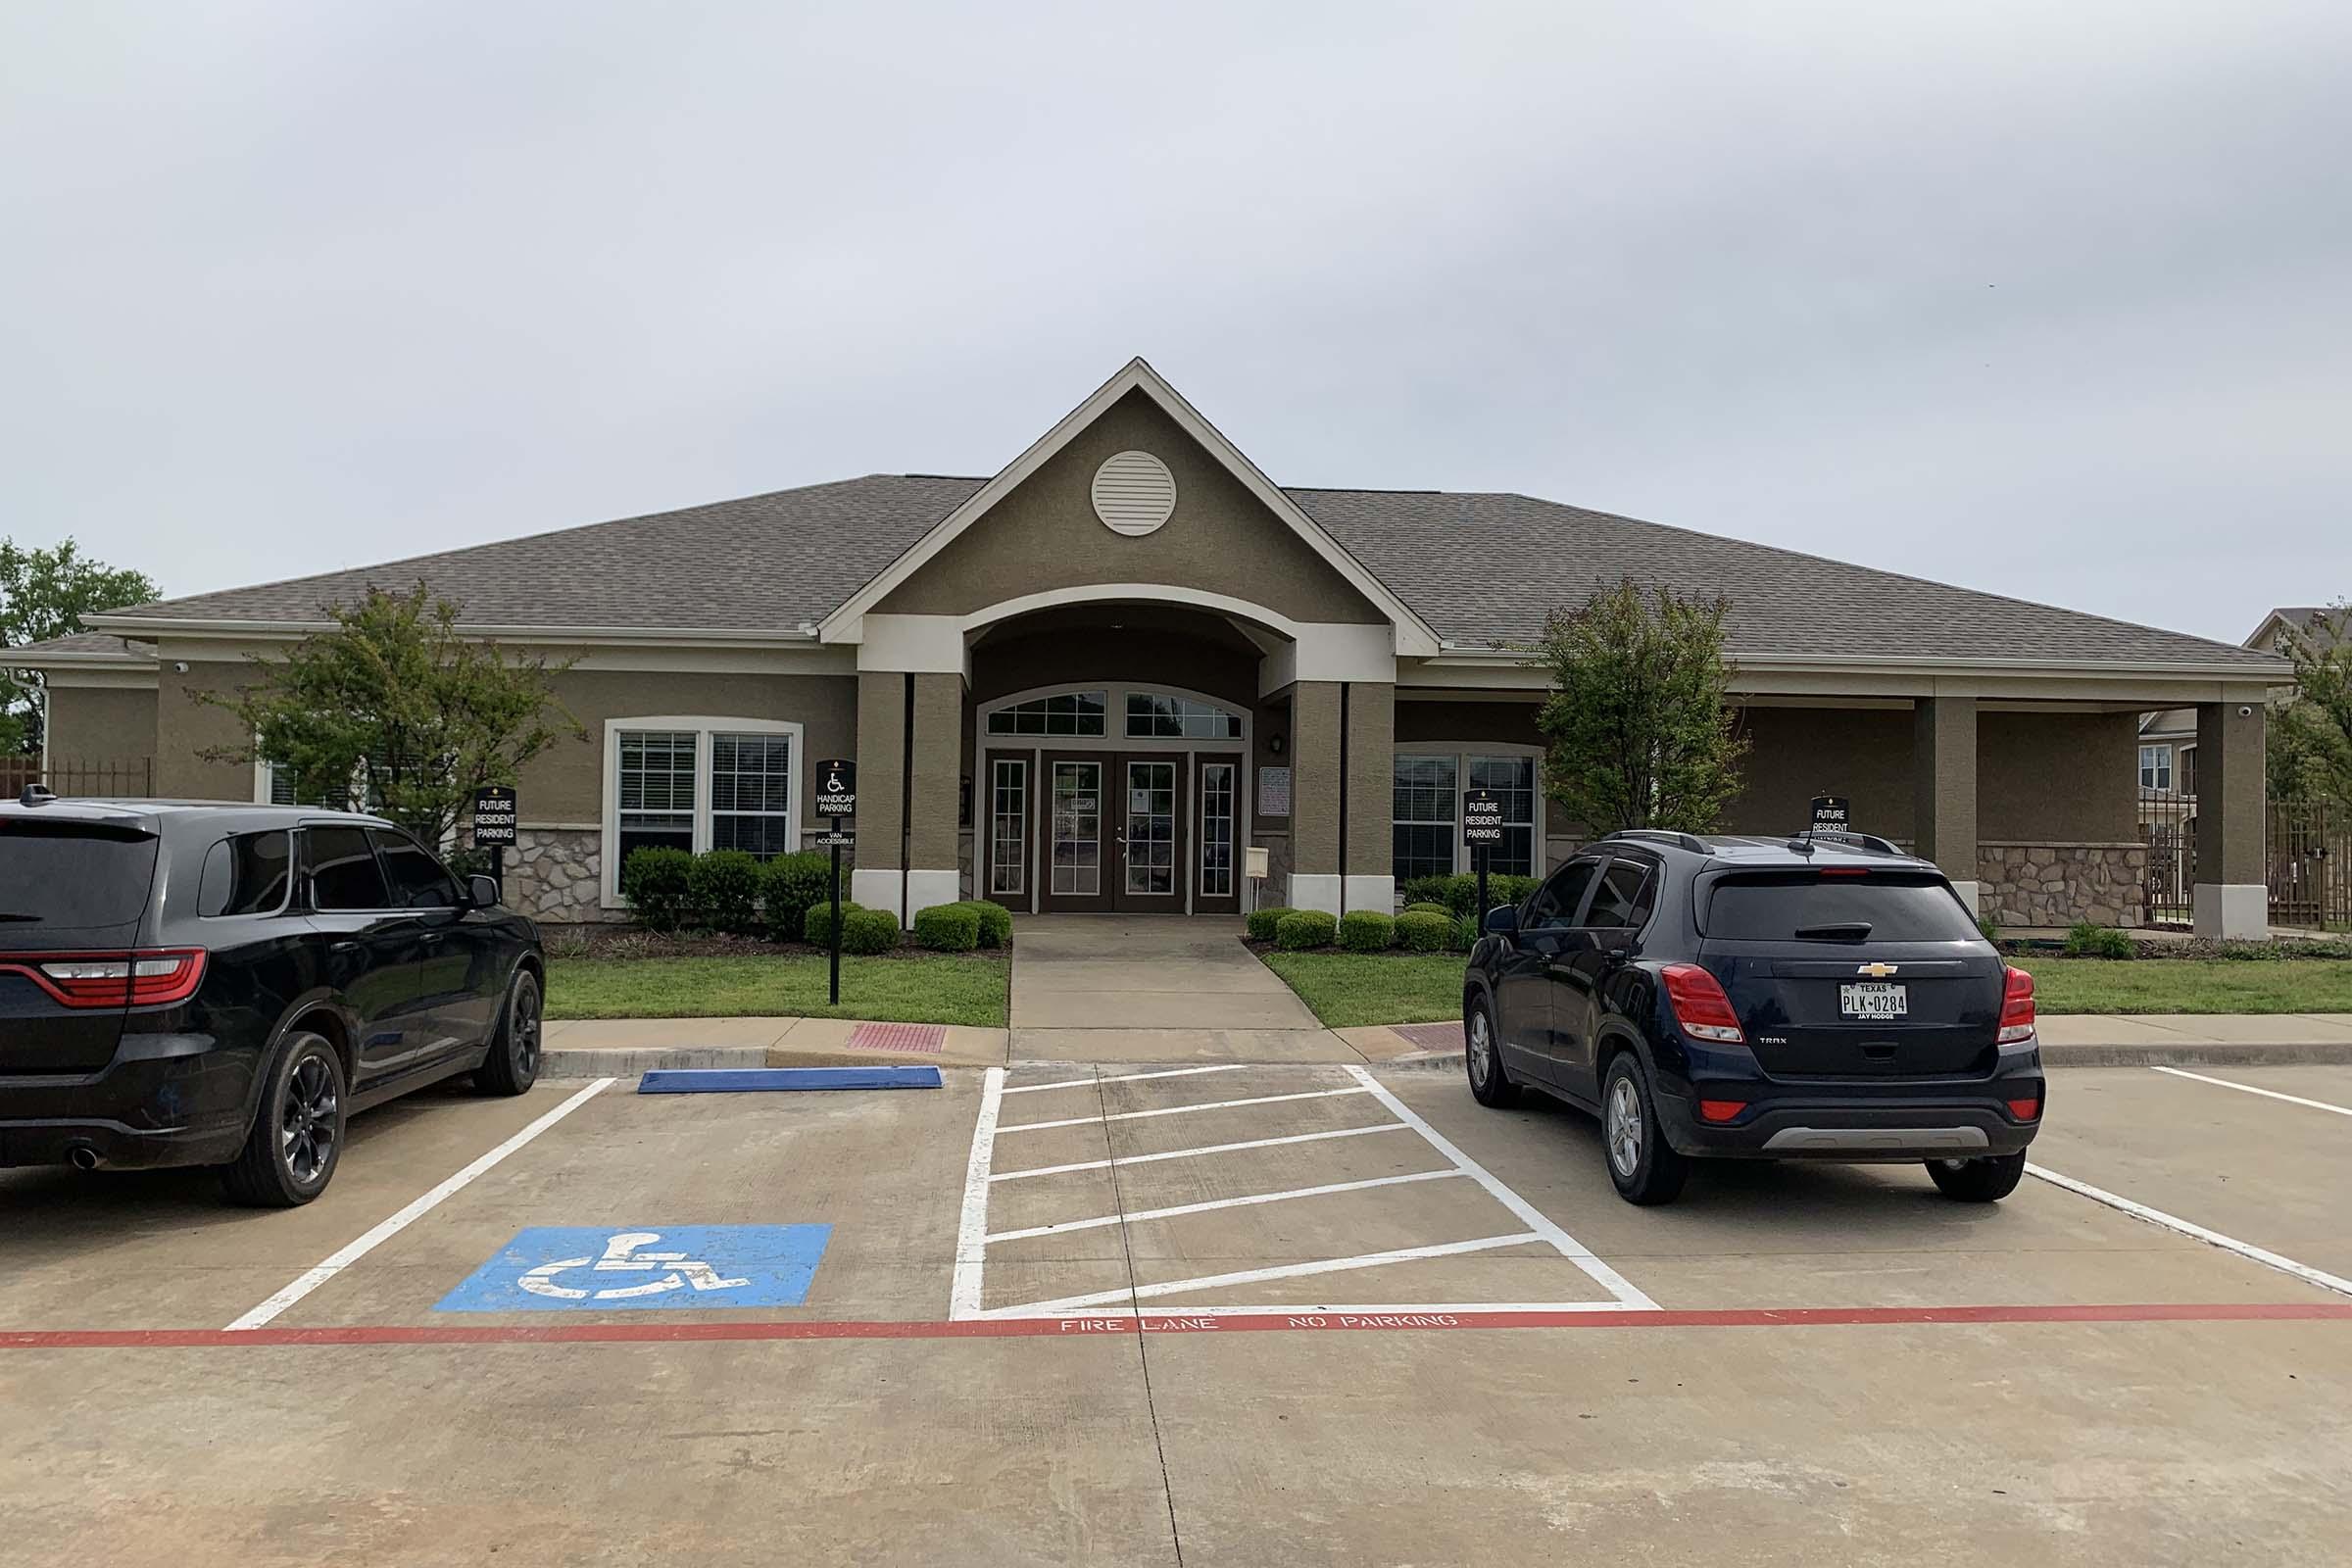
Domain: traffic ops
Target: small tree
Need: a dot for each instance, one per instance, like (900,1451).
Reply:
(2311,734)
(44,594)
(395,711)
(1639,731)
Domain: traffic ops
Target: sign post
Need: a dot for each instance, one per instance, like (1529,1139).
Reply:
(494,814)
(1482,830)
(836,803)
(1832,813)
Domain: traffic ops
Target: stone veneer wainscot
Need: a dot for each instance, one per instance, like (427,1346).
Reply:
(2057,884)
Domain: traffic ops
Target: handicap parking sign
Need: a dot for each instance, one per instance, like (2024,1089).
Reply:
(599,1268)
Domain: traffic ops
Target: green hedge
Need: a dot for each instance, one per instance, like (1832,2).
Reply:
(790,886)
(1424,930)
(817,924)
(1423,890)
(1458,894)
(868,931)
(995,924)
(1261,922)
(1366,931)
(655,882)
(2087,941)
(724,889)
(1427,907)
(947,928)
(1305,928)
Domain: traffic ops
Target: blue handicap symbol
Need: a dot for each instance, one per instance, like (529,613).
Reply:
(602,1268)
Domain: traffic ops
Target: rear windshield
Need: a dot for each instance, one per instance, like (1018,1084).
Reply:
(1807,906)
(71,875)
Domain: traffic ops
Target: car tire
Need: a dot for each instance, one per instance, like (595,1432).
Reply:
(513,1065)
(296,1138)
(1979,1181)
(1482,1056)
(1642,1167)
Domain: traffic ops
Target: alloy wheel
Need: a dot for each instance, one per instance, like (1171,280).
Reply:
(525,1026)
(1625,1127)
(1482,1047)
(307,1129)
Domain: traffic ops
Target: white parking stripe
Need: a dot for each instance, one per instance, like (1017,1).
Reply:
(343,1258)
(1569,1247)
(1188,1154)
(2174,1222)
(1124,1078)
(2267,1094)
(1252,1200)
(1174,1110)
(1251,1276)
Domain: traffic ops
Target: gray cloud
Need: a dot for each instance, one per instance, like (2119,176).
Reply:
(2043,299)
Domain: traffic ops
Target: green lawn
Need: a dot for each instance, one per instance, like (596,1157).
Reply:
(1356,987)
(926,988)
(2190,985)
(1346,989)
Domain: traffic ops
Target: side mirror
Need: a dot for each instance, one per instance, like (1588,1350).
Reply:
(481,892)
(1503,920)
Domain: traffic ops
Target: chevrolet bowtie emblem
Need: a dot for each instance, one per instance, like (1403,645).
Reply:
(1878,971)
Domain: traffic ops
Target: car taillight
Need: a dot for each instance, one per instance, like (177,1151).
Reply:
(2026,1110)
(1699,1005)
(2017,1006)
(1720,1110)
(147,977)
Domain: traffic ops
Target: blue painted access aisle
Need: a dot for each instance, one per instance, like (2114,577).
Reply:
(771,1080)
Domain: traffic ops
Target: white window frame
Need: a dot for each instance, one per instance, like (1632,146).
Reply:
(1462,751)
(2156,761)
(704,726)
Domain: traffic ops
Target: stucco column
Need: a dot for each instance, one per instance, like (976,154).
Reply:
(1371,849)
(2231,899)
(1944,789)
(909,748)
(1314,796)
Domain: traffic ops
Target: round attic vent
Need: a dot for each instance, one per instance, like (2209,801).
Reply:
(1134,493)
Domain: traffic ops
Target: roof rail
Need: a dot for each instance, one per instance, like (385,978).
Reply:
(1803,840)
(1658,835)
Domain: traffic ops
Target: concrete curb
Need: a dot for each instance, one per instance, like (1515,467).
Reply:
(610,1062)
(2212,1053)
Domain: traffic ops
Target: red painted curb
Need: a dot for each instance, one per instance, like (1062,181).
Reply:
(611,1332)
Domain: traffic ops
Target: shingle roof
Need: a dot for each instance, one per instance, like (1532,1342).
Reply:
(2300,616)
(1479,567)
(83,644)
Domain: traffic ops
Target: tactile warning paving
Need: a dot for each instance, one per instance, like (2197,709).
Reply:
(925,1038)
(1431,1035)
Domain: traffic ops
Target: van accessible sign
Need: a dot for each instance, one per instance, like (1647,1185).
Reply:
(1481,818)
(837,787)
(494,812)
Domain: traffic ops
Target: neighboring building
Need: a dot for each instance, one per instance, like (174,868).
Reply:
(1091,681)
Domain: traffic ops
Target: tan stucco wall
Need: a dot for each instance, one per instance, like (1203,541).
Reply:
(1504,723)
(565,783)
(1798,752)
(1371,777)
(1072,657)
(938,770)
(881,768)
(2057,778)
(1046,535)
(1314,758)
(97,724)
(183,727)
(2230,793)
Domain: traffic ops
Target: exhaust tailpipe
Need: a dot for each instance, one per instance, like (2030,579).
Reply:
(83,1157)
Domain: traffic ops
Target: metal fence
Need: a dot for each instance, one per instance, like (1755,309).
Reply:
(126,778)
(2307,863)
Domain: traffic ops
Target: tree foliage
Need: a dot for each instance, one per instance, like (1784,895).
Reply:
(2311,734)
(392,708)
(45,594)
(1639,731)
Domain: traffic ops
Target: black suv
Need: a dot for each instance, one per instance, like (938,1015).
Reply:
(1812,997)
(199,984)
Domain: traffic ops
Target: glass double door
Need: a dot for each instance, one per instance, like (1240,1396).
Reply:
(1134,833)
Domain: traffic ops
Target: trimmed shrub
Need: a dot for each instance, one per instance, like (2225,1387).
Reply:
(868,931)
(1423,890)
(654,882)
(947,928)
(1261,922)
(1305,928)
(1424,930)
(790,886)
(1427,906)
(1461,891)
(723,888)
(817,924)
(2086,941)
(1366,931)
(995,924)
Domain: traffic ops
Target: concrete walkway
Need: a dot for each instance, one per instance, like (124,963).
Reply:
(1155,989)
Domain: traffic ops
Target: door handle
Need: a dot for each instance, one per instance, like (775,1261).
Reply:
(343,946)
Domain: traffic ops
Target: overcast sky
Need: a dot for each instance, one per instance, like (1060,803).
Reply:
(2051,299)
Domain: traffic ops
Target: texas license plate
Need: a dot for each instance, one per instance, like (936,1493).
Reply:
(1872,1000)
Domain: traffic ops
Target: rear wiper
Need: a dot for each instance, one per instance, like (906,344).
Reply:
(1836,931)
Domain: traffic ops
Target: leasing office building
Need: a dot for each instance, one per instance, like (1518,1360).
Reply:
(1090,682)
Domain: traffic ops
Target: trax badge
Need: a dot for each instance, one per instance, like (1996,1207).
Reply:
(1877,971)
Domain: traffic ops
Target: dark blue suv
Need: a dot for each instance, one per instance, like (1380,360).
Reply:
(1812,997)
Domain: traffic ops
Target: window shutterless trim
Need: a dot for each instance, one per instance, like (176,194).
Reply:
(704,726)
